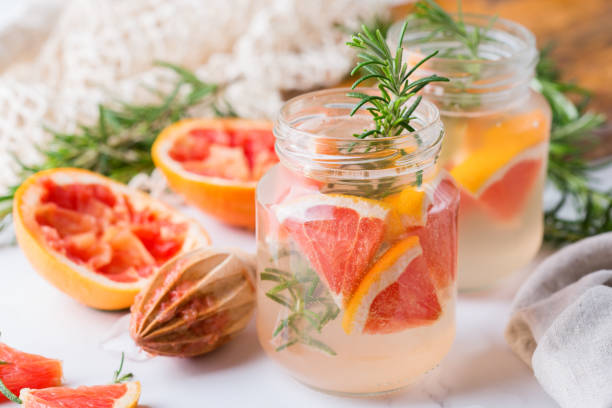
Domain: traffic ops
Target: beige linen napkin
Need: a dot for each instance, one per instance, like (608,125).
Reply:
(561,324)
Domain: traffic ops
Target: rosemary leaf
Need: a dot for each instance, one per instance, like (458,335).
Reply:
(118,378)
(310,309)
(392,76)
(8,394)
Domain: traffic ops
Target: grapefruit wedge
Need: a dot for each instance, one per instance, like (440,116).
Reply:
(501,170)
(430,212)
(215,164)
(20,370)
(99,396)
(338,234)
(95,239)
(397,293)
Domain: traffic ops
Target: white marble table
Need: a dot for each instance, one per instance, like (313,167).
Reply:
(479,372)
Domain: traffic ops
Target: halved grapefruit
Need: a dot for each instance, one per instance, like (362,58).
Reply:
(503,165)
(397,293)
(20,370)
(95,239)
(99,396)
(215,164)
(338,234)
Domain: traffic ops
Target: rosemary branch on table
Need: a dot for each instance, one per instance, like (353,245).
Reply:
(118,376)
(569,172)
(310,306)
(119,144)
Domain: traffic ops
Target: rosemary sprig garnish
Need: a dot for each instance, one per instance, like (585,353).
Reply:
(441,22)
(119,144)
(310,306)
(389,111)
(119,378)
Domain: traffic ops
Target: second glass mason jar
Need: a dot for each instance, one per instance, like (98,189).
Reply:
(356,246)
(497,141)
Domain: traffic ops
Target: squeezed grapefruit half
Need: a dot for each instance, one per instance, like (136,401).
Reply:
(98,396)
(95,239)
(216,163)
(20,370)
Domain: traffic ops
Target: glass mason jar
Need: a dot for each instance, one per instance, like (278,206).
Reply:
(356,247)
(497,141)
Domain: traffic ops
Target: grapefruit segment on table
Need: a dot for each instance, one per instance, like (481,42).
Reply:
(20,370)
(503,167)
(397,293)
(96,239)
(216,163)
(98,396)
(338,234)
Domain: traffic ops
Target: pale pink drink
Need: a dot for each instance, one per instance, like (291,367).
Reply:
(356,246)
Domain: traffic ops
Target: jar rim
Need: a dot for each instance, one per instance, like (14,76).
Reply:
(336,155)
(425,103)
(517,30)
(501,76)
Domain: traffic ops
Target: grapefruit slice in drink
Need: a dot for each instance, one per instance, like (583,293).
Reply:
(430,212)
(99,396)
(20,370)
(397,293)
(95,239)
(501,170)
(338,234)
(216,163)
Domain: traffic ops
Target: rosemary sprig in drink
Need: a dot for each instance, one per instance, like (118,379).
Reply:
(310,306)
(389,110)
(439,22)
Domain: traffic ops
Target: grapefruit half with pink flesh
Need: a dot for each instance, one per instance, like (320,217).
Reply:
(397,293)
(98,396)
(215,164)
(338,234)
(20,370)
